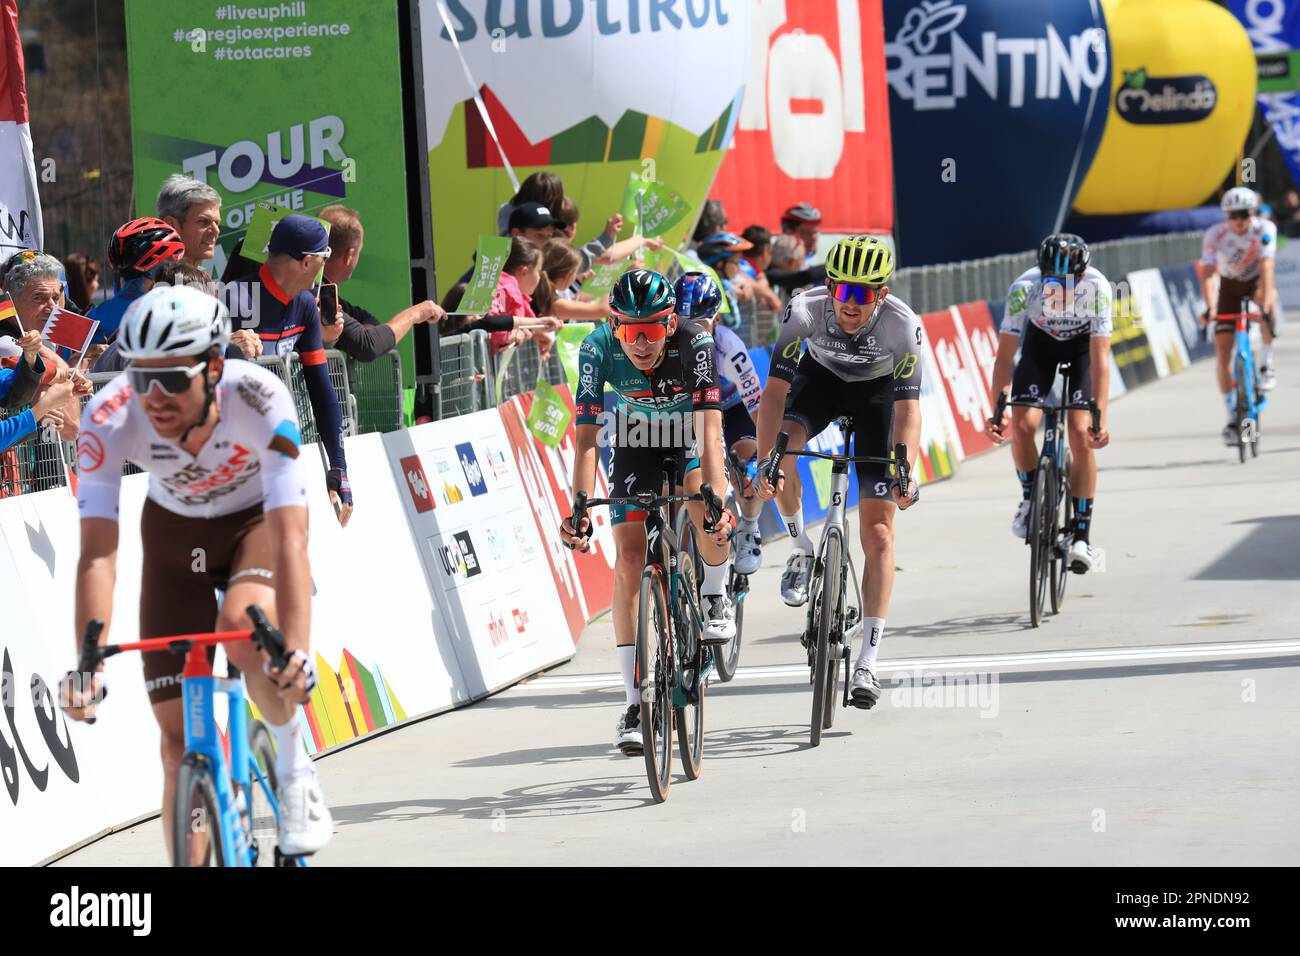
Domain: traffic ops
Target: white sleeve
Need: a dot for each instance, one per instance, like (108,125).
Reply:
(1013,319)
(1209,247)
(102,449)
(284,470)
(1268,241)
(1103,312)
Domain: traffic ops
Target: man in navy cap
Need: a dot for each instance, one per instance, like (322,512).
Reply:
(532,220)
(277,303)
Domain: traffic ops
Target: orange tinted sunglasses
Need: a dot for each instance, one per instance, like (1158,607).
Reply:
(629,330)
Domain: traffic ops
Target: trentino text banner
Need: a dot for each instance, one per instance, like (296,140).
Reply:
(592,91)
(295,103)
(1274,30)
(20,206)
(814,121)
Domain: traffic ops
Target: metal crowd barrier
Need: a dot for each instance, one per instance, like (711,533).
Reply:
(465,374)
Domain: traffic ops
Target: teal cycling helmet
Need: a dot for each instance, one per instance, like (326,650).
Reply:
(641,295)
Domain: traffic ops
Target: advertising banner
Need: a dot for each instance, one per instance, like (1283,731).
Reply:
(20,205)
(481,549)
(1130,345)
(591,91)
(583,581)
(1180,103)
(1273,27)
(303,109)
(1184,292)
(1152,306)
(963,381)
(813,124)
(970,85)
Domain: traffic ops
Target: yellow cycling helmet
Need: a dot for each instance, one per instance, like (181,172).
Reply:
(861,259)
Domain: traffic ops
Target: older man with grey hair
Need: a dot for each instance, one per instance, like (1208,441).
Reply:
(193,209)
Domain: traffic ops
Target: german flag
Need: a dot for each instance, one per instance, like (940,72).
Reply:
(7,309)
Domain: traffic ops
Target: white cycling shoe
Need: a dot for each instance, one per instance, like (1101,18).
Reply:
(305,821)
(1081,557)
(1267,378)
(1020,523)
(719,619)
(794,582)
(749,552)
(865,689)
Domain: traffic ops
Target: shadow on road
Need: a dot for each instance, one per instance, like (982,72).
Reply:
(1269,553)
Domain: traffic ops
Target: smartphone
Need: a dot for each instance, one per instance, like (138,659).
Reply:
(329,302)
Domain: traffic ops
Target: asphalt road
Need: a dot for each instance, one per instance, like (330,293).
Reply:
(1156,721)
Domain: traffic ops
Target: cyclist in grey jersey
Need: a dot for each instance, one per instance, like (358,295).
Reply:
(847,349)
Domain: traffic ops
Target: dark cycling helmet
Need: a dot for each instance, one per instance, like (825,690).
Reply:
(141,244)
(1063,254)
(721,245)
(698,296)
(641,294)
(801,213)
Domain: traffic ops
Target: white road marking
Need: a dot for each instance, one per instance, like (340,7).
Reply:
(985,662)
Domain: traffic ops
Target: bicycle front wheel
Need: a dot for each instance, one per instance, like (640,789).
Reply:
(1242,381)
(264,795)
(196,816)
(655,679)
(823,666)
(1040,531)
(1064,521)
(688,710)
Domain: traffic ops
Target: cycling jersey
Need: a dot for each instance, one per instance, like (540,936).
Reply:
(1061,309)
(287,324)
(740,382)
(890,344)
(250,458)
(685,380)
(1239,257)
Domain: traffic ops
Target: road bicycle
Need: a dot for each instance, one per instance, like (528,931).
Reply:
(831,616)
(1249,399)
(227,807)
(1050,528)
(672,660)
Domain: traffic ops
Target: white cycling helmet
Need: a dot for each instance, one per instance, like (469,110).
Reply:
(1240,199)
(174,320)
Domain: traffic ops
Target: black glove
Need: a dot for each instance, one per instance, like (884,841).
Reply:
(336,480)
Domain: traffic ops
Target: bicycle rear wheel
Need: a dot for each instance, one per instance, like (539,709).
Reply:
(196,817)
(1242,386)
(688,697)
(1062,525)
(828,600)
(262,811)
(1040,525)
(654,668)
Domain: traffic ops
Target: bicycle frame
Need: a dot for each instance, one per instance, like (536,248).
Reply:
(1243,350)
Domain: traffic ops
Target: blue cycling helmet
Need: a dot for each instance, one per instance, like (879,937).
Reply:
(698,297)
(721,245)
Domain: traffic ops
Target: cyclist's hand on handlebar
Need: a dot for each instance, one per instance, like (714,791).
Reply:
(572,538)
(765,490)
(295,682)
(79,697)
(1099,438)
(720,531)
(997,430)
(906,501)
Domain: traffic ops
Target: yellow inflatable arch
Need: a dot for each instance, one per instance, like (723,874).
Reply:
(1181,102)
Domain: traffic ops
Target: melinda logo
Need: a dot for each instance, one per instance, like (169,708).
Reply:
(1161,100)
(935,66)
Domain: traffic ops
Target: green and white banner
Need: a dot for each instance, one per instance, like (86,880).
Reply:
(297,104)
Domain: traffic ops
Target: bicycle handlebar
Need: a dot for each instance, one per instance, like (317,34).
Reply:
(899,463)
(1090,406)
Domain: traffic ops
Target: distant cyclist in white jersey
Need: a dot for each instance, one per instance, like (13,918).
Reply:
(226,509)
(1241,251)
(1059,312)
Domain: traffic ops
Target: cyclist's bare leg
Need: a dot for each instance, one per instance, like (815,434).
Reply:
(752,505)
(1083,470)
(790,498)
(629,544)
(250,584)
(876,525)
(1223,345)
(1024,436)
(713,554)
